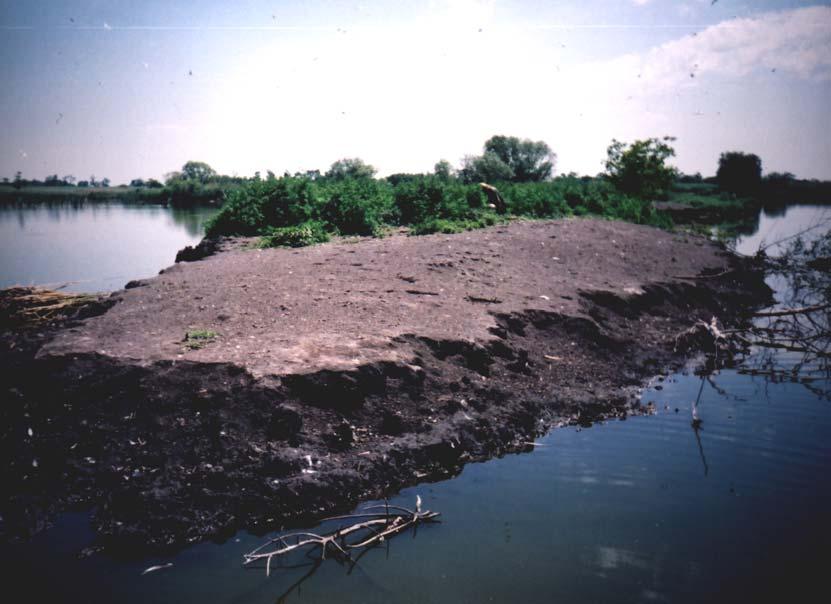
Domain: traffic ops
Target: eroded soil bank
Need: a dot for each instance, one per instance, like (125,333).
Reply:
(341,372)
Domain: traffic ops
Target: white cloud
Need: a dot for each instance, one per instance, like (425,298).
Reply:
(404,97)
(796,42)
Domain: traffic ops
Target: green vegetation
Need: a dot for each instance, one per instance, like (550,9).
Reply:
(199,338)
(508,158)
(308,233)
(349,200)
(739,173)
(640,169)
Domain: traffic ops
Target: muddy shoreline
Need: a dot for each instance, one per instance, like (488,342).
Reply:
(341,372)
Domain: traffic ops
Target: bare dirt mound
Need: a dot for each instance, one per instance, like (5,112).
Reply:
(262,388)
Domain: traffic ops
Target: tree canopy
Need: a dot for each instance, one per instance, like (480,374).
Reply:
(530,161)
(509,158)
(350,168)
(739,172)
(640,169)
(197,170)
(487,167)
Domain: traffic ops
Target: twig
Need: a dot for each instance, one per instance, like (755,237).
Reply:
(792,311)
(389,523)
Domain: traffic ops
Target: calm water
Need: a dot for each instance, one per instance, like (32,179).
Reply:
(643,510)
(92,246)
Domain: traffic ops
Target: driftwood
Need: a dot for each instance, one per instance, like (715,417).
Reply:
(369,527)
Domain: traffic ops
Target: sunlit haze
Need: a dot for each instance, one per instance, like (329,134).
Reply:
(126,90)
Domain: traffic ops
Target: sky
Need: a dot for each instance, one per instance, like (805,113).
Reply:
(125,89)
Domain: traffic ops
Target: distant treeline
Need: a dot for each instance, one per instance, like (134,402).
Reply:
(349,199)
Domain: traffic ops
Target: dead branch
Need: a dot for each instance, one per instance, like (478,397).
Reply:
(370,528)
(792,311)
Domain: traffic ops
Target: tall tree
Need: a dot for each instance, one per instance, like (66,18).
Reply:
(487,167)
(198,170)
(530,161)
(350,168)
(443,169)
(739,172)
(640,169)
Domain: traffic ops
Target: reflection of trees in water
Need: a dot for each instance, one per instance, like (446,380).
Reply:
(789,342)
(192,219)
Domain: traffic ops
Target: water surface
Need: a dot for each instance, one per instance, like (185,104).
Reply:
(651,509)
(92,246)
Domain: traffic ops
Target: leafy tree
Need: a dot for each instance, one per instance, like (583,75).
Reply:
(487,167)
(83,183)
(92,181)
(640,169)
(137,182)
(739,172)
(350,168)
(530,161)
(173,177)
(18,179)
(5,180)
(198,171)
(153,183)
(69,179)
(105,182)
(52,180)
(443,169)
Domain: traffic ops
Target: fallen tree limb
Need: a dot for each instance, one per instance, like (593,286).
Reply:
(369,528)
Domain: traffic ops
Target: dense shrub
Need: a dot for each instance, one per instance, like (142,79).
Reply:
(449,226)
(241,215)
(539,200)
(425,197)
(357,206)
(301,235)
(296,210)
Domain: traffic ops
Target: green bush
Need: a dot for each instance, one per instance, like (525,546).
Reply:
(261,204)
(241,215)
(297,210)
(359,206)
(538,200)
(308,233)
(450,226)
(422,198)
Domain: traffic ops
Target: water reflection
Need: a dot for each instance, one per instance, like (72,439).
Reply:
(92,246)
(625,511)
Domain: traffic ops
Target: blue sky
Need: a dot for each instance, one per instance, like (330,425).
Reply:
(127,89)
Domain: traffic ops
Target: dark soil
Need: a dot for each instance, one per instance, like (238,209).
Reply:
(341,372)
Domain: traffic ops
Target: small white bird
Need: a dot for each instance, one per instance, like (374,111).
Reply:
(418,504)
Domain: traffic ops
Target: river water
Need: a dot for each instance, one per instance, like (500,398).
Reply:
(643,510)
(92,246)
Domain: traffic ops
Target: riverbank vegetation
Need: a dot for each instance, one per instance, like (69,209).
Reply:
(639,185)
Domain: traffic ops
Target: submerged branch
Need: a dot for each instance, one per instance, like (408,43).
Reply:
(374,529)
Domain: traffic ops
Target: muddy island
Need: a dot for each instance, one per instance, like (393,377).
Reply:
(264,388)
